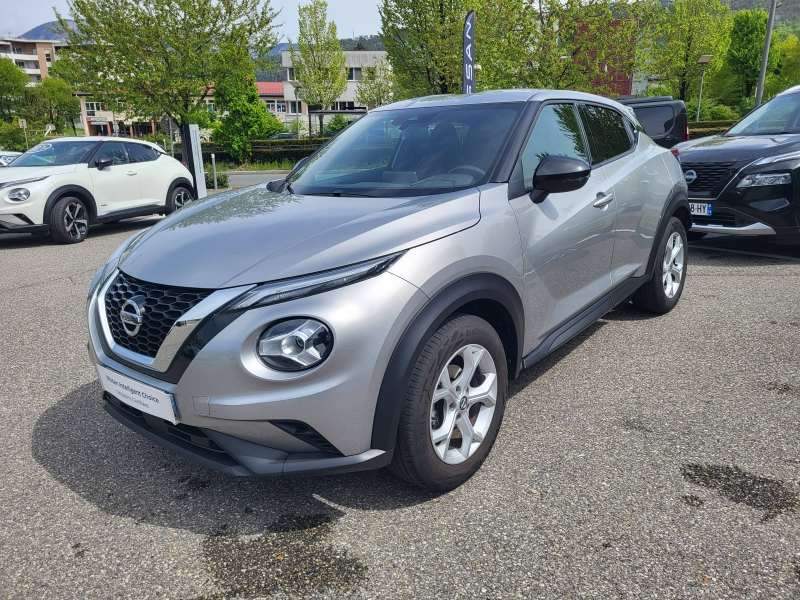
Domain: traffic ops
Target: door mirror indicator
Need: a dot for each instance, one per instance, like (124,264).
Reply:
(557,174)
(104,162)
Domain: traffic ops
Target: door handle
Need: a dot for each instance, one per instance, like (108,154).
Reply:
(603,200)
(131,173)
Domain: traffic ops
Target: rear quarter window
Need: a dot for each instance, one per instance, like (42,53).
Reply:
(140,153)
(656,120)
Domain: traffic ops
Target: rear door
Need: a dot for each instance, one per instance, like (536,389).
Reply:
(116,187)
(154,180)
(567,239)
(641,182)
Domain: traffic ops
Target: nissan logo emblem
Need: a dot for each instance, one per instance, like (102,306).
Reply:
(131,315)
(690,176)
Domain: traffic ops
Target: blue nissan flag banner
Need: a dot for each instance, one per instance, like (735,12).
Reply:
(468,66)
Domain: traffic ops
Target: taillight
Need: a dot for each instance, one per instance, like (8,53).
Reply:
(686,127)
(676,153)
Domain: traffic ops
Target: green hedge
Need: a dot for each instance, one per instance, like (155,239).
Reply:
(699,129)
(263,150)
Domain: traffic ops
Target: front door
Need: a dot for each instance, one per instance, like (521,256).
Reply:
(568,239)
(116,187)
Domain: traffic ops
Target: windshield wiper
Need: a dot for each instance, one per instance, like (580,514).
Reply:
(289,188)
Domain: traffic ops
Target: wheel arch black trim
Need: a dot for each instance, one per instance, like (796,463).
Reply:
(460,293)
(676,205)
(180,181)
(81,192)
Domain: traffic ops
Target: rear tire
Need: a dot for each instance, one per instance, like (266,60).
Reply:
(69,221)
(456,395)
(178,198)
(662,292)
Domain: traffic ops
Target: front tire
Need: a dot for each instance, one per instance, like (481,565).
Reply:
(69,221)
(662,292)
(453,407)
(178,198)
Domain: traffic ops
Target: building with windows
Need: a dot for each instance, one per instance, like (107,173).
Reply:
(34,57)
(355,62)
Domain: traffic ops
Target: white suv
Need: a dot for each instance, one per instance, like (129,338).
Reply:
(64,185)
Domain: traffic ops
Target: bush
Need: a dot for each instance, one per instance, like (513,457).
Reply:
(222,180)
(335,125)
(12,138)
(720,112)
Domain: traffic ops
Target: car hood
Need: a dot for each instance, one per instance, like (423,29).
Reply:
(744,148)
(13,173)
(254,235)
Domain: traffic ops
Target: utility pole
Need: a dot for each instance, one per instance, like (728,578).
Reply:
(765,55)
(703,61)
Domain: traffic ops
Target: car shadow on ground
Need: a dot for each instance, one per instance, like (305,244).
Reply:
(126,475)
(26,240)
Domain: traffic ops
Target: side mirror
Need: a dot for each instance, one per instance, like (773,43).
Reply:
(104,162)
(274,186)
(557,174)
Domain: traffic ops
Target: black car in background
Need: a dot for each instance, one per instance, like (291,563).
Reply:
(663,119)
(747,180)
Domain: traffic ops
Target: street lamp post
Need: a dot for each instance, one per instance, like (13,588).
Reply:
(762,74)
(296,85)
(703,62)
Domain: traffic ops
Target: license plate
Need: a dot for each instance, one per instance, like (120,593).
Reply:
(138,395)
(700,209)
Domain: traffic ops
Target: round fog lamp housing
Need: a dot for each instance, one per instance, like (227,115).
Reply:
(295,344)
(19,194)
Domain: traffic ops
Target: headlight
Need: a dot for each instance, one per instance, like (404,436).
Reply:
(19,194)
(21,181)
(295,345)
(290,289)
(113,261)
(759,179)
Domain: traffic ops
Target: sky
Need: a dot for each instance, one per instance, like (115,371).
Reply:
(360,17)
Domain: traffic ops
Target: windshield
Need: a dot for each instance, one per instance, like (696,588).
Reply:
(779,115)
(410,152)
(49,154)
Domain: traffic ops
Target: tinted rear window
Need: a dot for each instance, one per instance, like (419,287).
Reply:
(608,136)
(140,153)
(656,120)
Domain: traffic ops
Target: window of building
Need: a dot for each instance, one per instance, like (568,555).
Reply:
(291,74)
(36,64)
(280,106)
(18,51)
(21,64)
(557,132)
(344,105)
(211,106)
(47,56)
(608,136)
(294,107)
(354,74)
(92,108)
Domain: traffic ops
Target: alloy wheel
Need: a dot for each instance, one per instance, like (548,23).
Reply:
(76,220)
(463,404)
(672,273)
(182,197)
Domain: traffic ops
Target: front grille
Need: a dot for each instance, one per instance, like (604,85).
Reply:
(163,305)
(709,175)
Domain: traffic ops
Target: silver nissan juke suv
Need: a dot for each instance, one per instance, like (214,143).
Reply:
(370,309)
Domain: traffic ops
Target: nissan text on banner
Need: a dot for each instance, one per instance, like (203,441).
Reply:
(468,65)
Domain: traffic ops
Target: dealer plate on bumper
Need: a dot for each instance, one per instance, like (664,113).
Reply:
(138,395)
(703,210)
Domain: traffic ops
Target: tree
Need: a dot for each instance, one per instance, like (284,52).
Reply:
(689,29)
(576,44)
(746,47)
(376,87)
(319,62)
(52,101)
(12,88)
(246,118)
(787,72)
(164,56)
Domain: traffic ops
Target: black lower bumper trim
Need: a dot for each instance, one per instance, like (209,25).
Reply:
(9,228)
(235,456)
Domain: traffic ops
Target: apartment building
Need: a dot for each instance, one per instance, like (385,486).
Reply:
(34,57)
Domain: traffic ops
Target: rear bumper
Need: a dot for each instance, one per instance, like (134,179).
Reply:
(235,456)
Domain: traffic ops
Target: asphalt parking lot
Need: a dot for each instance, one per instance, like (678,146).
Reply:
(649,458)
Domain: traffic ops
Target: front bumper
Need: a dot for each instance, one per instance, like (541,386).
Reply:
(239,426)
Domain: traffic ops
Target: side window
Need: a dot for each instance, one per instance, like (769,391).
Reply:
(608,136)
(656,120)
(113,150)
(556,131)
(140,153)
